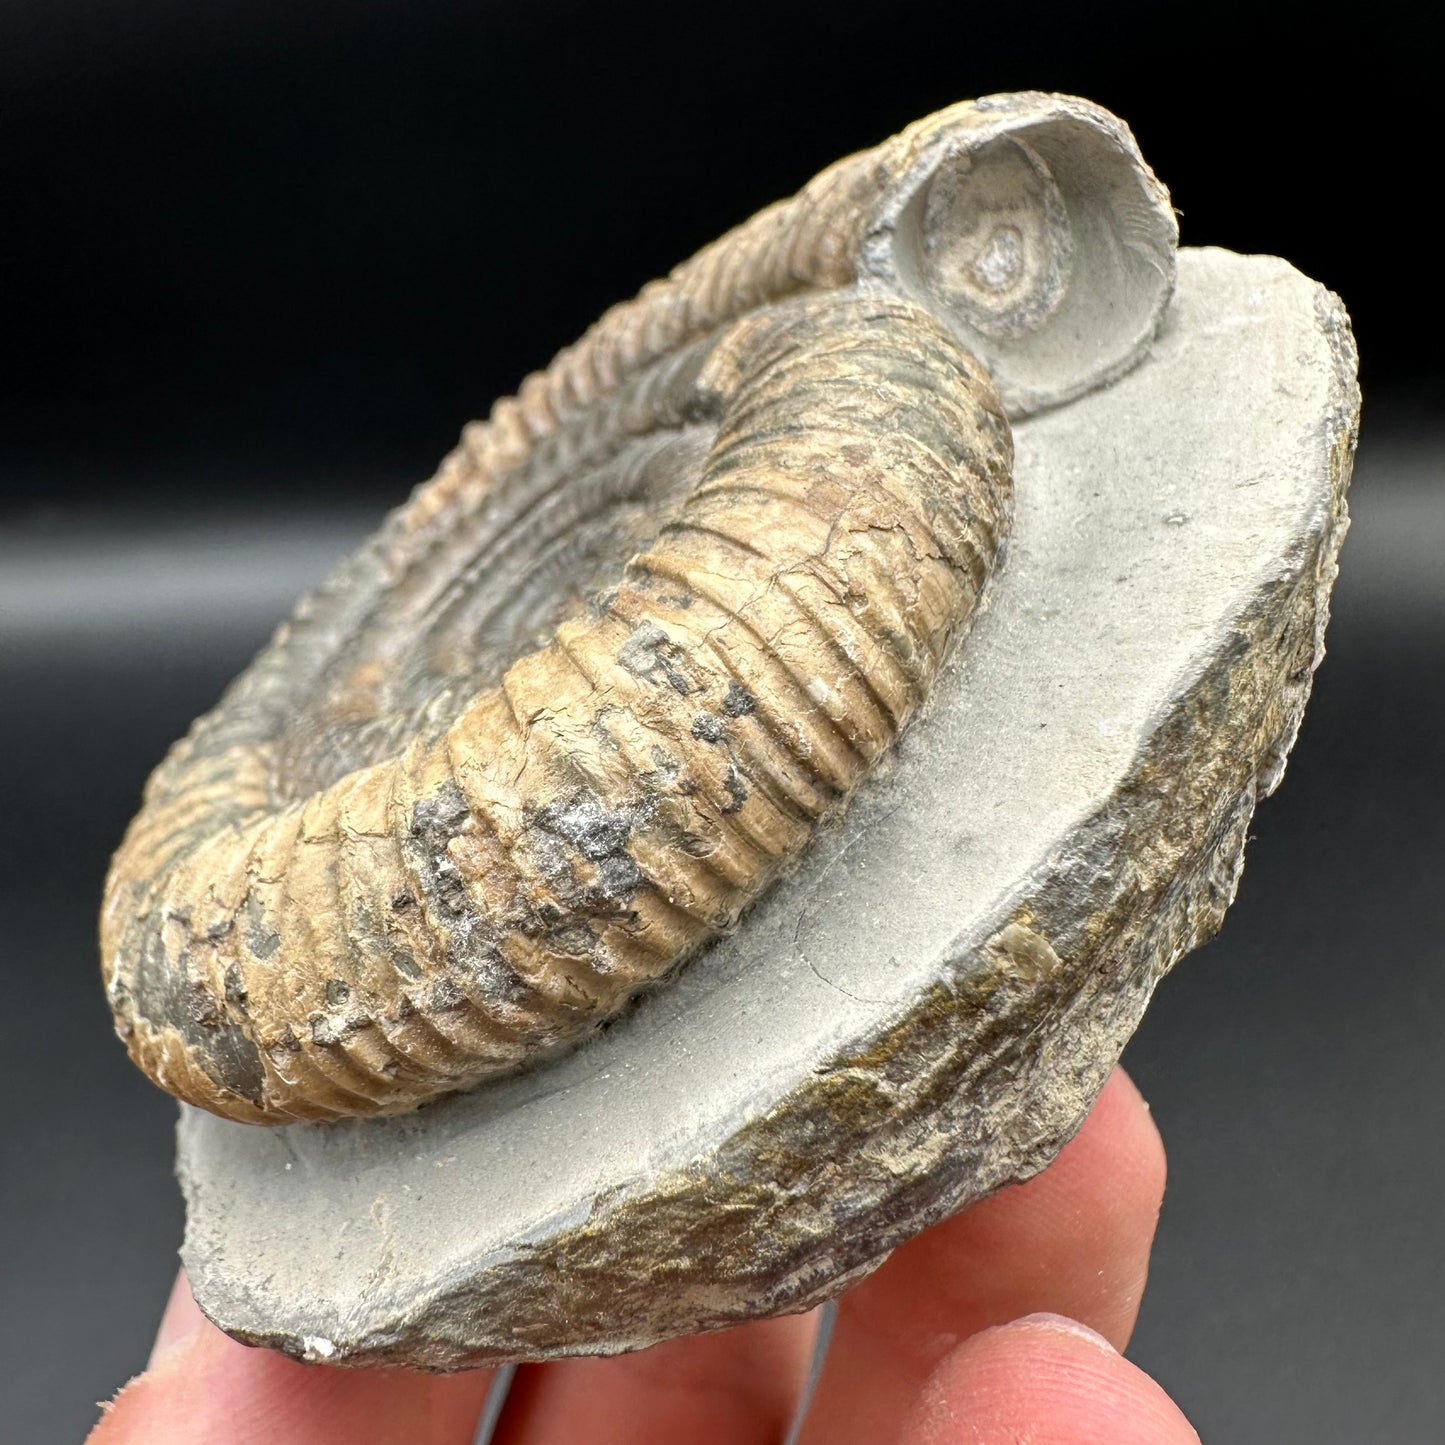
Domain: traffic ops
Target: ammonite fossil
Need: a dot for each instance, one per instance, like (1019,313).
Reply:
(424,875)
(596,684)
(665,654)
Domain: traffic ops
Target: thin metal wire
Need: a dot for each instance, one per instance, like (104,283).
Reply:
(827,1318)
(497,1393)
(501,1385)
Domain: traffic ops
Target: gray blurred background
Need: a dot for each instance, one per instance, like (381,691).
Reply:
(262,260)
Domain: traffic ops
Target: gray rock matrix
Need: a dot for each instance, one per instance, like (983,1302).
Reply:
(926,1009)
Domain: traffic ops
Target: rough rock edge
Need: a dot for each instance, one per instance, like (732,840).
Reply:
(931,1117)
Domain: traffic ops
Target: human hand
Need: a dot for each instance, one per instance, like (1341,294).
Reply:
(999,1325)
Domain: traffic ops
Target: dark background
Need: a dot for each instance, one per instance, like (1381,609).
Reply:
(262,258)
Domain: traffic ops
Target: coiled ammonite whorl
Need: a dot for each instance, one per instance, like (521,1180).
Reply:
(585,695)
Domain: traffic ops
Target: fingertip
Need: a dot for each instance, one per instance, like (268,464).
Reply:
(181,1319)
(1075,1238)
(1123,1121)
(1099,1201)
(1048,1380)
(1121,1137)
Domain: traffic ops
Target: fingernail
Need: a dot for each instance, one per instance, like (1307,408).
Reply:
(1063,1325)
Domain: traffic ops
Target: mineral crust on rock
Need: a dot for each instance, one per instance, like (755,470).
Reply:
(927,1006)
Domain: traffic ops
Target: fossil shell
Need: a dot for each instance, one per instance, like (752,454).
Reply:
(925,1008)
(321,931)
(586,694)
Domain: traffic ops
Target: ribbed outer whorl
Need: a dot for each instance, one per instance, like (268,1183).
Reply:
(513,870)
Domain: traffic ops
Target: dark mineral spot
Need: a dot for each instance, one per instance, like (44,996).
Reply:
(235,1064)
(445,997)
(592,829)
(403,962)
(738,701)
(323,1030)
(235,987)
(202,1007)
(491,972)
(600,732)
(261,939)
(618,877)
(737,790)
(170,999)
(648,652)
(439,819)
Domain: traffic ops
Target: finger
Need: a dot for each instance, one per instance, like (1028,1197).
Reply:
(1074,1241)
(734,1387)
(182,1318)
(201,1385)
(1046,1380)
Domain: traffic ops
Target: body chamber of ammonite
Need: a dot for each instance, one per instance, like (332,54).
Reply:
(734,815)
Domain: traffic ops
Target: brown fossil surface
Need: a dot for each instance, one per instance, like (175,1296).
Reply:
(295,930)
(595,684)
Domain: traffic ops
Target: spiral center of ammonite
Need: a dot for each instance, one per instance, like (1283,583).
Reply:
(1002,260)
(494,588)
(998,250)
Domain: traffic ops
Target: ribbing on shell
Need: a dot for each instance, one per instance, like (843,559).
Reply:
(329,904)
(290,934)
